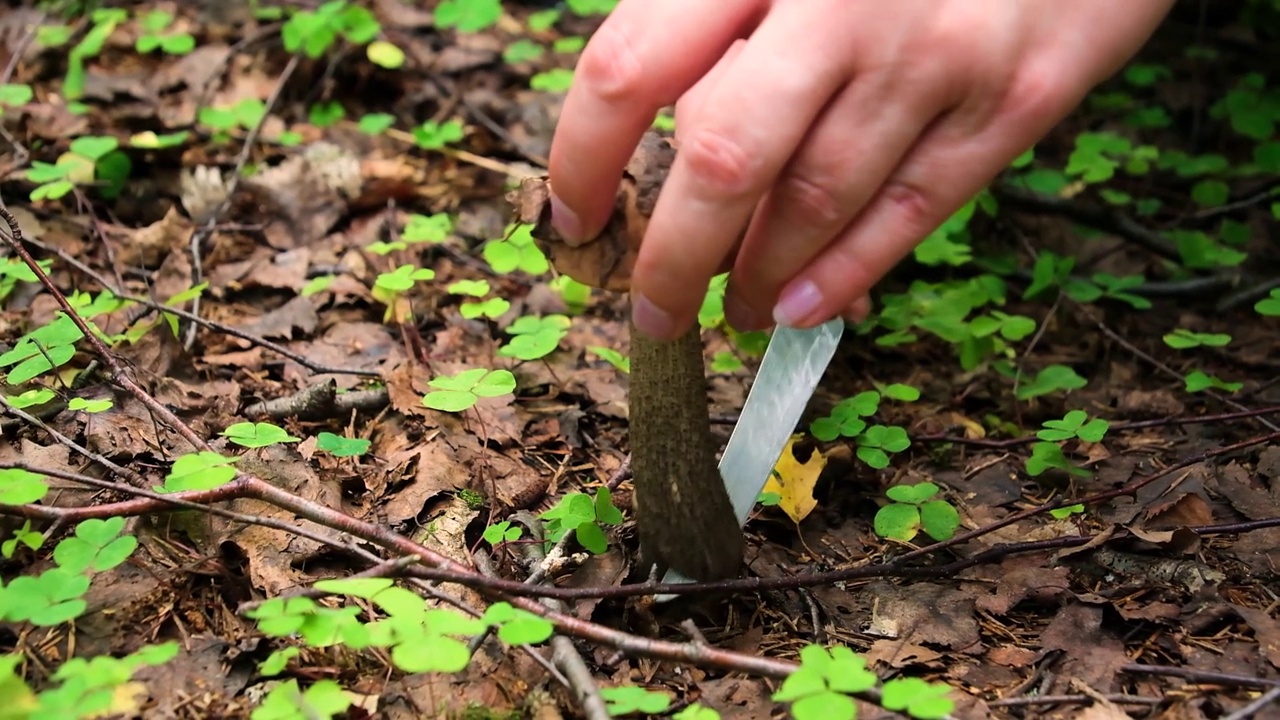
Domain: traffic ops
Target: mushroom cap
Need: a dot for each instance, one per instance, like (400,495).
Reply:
(605,261)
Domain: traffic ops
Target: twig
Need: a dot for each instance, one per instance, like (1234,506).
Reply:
(1203,676)
(195,318)
(1097,217)
(1135,350)
(1006,443)
(1254,707)
(1118,698)
(198,236)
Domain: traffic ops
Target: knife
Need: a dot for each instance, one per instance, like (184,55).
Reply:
(793,364)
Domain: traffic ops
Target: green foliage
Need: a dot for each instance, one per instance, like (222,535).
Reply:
(628,699)
(1251,108)
(31,398)
(1048,453)
(323,699)
(555,80)
(103,22)
(820,688)
(21,487)
(534,337)
(1068,511)
(913,509)
(613,357)
(1183,339)
(326,114)
(375,123)
(502,532)
(25,536)
(420,639)
(314,32)
(467,16)
(522,50)
(574,294)
(257,435)
(89,406)
(569,45)
(583,515)
(433,229)
(1269,306)
(1054,378)
(874,442)
(591,7)
(341,447)
(90,159)
(432,135)
(456,393)
(1199,381)
(389,287)
(43,349)
(918,698)
(492,308)
(1075,424)
(516,251)
(97,546)
(14,95)
(153,37)
(92,687)
(204,470)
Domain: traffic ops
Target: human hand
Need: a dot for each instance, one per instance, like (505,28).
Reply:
(837,133)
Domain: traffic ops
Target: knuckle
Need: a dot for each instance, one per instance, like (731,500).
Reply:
(812,201)
(915,209)
(719,163)
(610,65)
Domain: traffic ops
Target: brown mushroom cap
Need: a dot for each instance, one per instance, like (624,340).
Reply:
(605,261)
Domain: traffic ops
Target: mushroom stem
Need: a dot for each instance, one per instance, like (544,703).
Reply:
(684,515)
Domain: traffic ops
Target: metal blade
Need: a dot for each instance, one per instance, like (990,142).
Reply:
(793,365)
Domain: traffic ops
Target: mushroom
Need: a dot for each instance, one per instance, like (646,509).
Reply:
(683,512)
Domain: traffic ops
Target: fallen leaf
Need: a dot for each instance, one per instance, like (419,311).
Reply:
(794,481)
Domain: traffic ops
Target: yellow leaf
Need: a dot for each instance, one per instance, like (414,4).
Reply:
(794,481)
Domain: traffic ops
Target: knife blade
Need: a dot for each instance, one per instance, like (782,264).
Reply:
(793,365)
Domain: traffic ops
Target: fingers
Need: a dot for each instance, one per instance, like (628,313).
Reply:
(846,157)
(644,56)
(729,155)
(969,150)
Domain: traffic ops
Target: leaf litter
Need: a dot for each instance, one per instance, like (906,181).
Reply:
(1036,622)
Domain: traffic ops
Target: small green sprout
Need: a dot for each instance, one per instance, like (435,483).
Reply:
(203,470)
(459,392)
(258,435)
(628,699)
(1183,339)
(583,515)
(555,80)
(516,251)
(467,16)
(1199,381)
(502,532)
(820,688)
(1054,378)
(339,446)
(432,135)
(913,510)
(535,337)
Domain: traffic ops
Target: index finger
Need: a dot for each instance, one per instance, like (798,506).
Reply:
(643,57)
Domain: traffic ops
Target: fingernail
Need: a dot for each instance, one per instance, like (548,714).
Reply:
(565,221)
(741,316)
(651,319)
(797,303)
